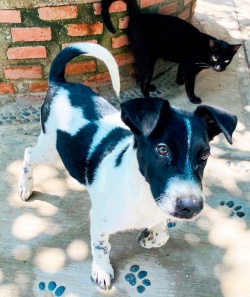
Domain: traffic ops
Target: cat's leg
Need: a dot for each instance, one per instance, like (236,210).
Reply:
(189,78)
(144,70)
(180,77)
(144,76)
(154,237)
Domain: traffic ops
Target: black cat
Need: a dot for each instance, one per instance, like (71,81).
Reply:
(154,36)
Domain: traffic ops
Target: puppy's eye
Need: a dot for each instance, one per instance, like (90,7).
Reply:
(214,59)
(162,149)
(226,61)
(205,156)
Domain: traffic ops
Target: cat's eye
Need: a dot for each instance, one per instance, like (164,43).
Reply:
(162,149)
(205,156)
(226,61)
(214,59)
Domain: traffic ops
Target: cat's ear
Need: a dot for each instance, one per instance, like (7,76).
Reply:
(211,43)
(142,115)
(218,121)
(235,47)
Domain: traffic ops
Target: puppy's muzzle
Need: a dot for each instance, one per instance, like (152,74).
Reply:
(188,208)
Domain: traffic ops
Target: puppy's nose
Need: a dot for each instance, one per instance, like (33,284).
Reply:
(187,208)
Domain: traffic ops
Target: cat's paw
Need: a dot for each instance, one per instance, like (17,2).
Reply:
(180,81)
(152,88)
(195,100)
(145,93)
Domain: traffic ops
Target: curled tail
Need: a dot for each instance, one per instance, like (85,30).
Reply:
(88,49)
(132,7)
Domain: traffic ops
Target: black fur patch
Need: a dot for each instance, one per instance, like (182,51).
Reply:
(93,106)
(118,160)
(105,147)
(73,150)
(45,109)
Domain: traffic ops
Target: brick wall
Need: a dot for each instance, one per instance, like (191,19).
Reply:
(31,37)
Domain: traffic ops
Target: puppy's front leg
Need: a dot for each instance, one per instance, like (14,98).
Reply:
(154,237)
(102,271)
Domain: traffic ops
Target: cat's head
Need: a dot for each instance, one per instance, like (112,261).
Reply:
(221,54)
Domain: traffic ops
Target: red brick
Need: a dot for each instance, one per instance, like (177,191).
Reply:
(31,34)
(71,43)
(6,88)
(145,3)
(168,9)
(116,6)
(97,8)
(124,59)
(26,52)
(80,67)
(10,16)
(85,29)
(58,13)
(185,14)
(39,86)
(23,72)
(98,78)
(120,41)
(123,22)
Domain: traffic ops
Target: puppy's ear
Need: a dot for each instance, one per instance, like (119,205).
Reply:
(142,115)
(218,120)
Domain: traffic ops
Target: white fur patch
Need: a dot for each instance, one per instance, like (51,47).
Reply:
(179,189)
(67,117)
(188,168)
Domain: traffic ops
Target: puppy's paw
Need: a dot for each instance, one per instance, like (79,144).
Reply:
(102,275)
(25,188)
(153,238)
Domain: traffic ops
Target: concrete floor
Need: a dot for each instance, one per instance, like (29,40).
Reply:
(47,240)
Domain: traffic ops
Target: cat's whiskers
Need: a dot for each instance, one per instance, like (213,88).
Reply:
(203,64)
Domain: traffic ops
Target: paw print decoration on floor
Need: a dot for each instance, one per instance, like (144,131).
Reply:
(51,290)
(232,209)
(238,167)
(134,275)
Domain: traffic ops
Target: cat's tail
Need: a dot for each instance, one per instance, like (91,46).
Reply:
(132,8)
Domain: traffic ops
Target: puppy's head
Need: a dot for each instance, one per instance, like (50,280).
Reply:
(172,150)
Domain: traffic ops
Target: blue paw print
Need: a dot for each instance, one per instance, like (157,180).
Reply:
(131,278)
(234,209)
(51,287)
(171,224)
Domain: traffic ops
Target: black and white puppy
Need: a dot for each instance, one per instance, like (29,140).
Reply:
(141,167)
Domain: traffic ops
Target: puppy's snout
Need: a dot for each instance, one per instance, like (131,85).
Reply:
(187,208)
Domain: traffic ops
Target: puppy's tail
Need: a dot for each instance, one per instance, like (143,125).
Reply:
(132,8)
(58,65)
